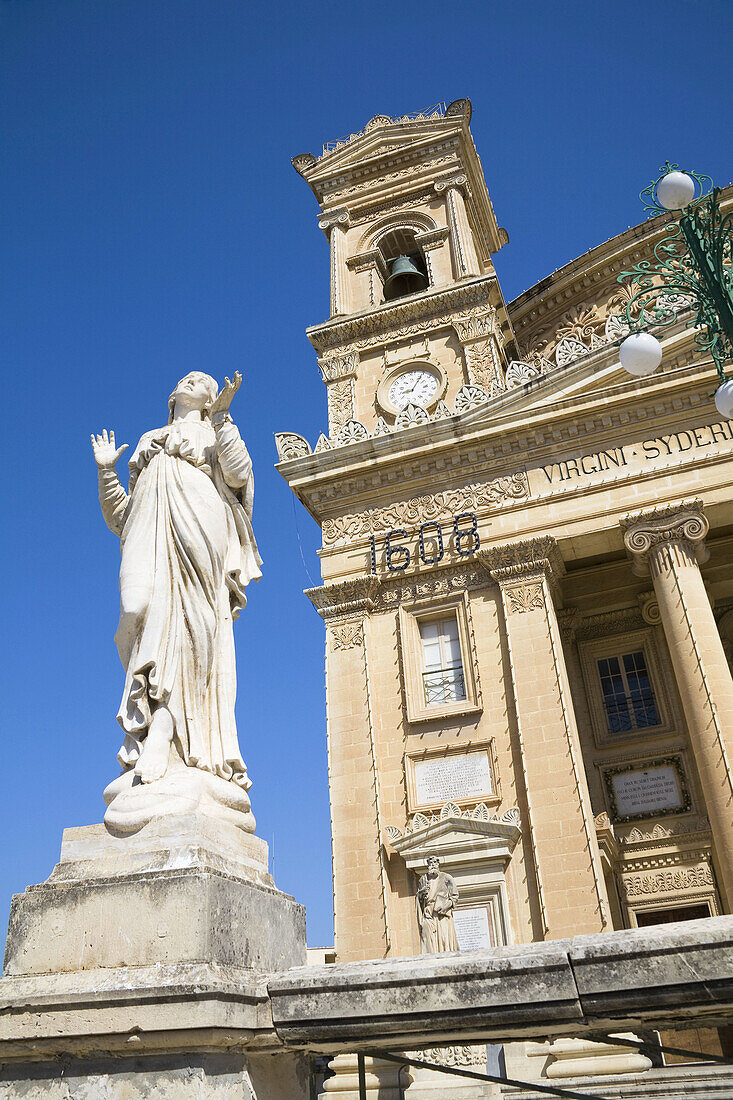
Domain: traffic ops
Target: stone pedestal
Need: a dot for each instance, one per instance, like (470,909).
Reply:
(139,969)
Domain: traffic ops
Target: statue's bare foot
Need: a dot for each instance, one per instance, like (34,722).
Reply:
(153,763)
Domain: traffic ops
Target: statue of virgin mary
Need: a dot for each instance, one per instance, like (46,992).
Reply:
(188,552)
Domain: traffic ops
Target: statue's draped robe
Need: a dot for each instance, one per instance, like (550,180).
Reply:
(436,898)
(187,539)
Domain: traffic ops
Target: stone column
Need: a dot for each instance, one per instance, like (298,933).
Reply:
(465,260)
(569,877)
(360,885)
(335,225)
(668,543)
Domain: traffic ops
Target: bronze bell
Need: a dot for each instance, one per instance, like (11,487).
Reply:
(404,278)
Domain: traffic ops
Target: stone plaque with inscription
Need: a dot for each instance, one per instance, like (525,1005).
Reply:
(639,792)
(457,777)
(473,928)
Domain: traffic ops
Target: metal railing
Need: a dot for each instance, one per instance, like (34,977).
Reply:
(444,685)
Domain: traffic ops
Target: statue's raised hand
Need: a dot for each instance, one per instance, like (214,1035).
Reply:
(223,400)
(105,453)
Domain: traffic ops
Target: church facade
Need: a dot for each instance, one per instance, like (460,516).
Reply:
(527,568)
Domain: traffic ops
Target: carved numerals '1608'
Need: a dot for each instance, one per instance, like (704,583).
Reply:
(431,543)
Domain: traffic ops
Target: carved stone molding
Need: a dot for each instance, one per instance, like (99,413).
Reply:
(347,635)
(475,324)
(680,527)
(395,320)
(461,1056)
(336,367)
(525,597)
(523,558)
(440,582)
(344,598)
(423,509)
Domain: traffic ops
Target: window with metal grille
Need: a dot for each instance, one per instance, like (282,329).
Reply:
(628,695)
(442,676)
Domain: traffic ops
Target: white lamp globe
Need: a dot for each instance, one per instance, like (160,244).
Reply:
(640,354)
(724,399)
(675,190)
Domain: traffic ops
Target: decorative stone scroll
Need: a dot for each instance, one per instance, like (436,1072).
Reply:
(291,445)
(683,525)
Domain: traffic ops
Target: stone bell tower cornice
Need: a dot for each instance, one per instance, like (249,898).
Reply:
(393,163)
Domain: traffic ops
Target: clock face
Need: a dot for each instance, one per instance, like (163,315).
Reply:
(414,387)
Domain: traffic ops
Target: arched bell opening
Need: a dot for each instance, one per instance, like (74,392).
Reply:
(408,273)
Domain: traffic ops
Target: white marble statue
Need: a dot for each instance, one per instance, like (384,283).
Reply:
(188,552)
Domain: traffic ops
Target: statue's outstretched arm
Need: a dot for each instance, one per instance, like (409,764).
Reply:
(112,497)
(236,465)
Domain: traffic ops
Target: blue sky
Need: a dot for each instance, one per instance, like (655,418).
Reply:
(152,224)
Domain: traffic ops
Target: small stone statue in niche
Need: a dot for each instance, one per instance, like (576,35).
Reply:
(188,551)
(436,900)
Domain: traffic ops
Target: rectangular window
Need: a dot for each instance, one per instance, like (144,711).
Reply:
(438,659)
(443,680)
(628,695)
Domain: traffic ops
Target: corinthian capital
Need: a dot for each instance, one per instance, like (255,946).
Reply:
(683,525)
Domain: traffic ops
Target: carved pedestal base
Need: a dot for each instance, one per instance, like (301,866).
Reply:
(132,804)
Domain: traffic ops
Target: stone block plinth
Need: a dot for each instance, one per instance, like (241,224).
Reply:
(182,890)
(140,969)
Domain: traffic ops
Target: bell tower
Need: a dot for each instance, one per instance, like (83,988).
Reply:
(417,316)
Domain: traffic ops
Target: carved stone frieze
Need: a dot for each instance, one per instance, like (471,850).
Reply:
(344,598)
(460,1056)
(394,591)
(669,881)
(609,622)
(375,183)
(411,513)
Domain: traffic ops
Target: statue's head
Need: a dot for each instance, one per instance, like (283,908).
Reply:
(433,865)
(196,390)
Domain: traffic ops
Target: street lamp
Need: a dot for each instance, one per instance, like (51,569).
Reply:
(693,269)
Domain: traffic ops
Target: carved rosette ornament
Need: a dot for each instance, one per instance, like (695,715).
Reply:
(657,537)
